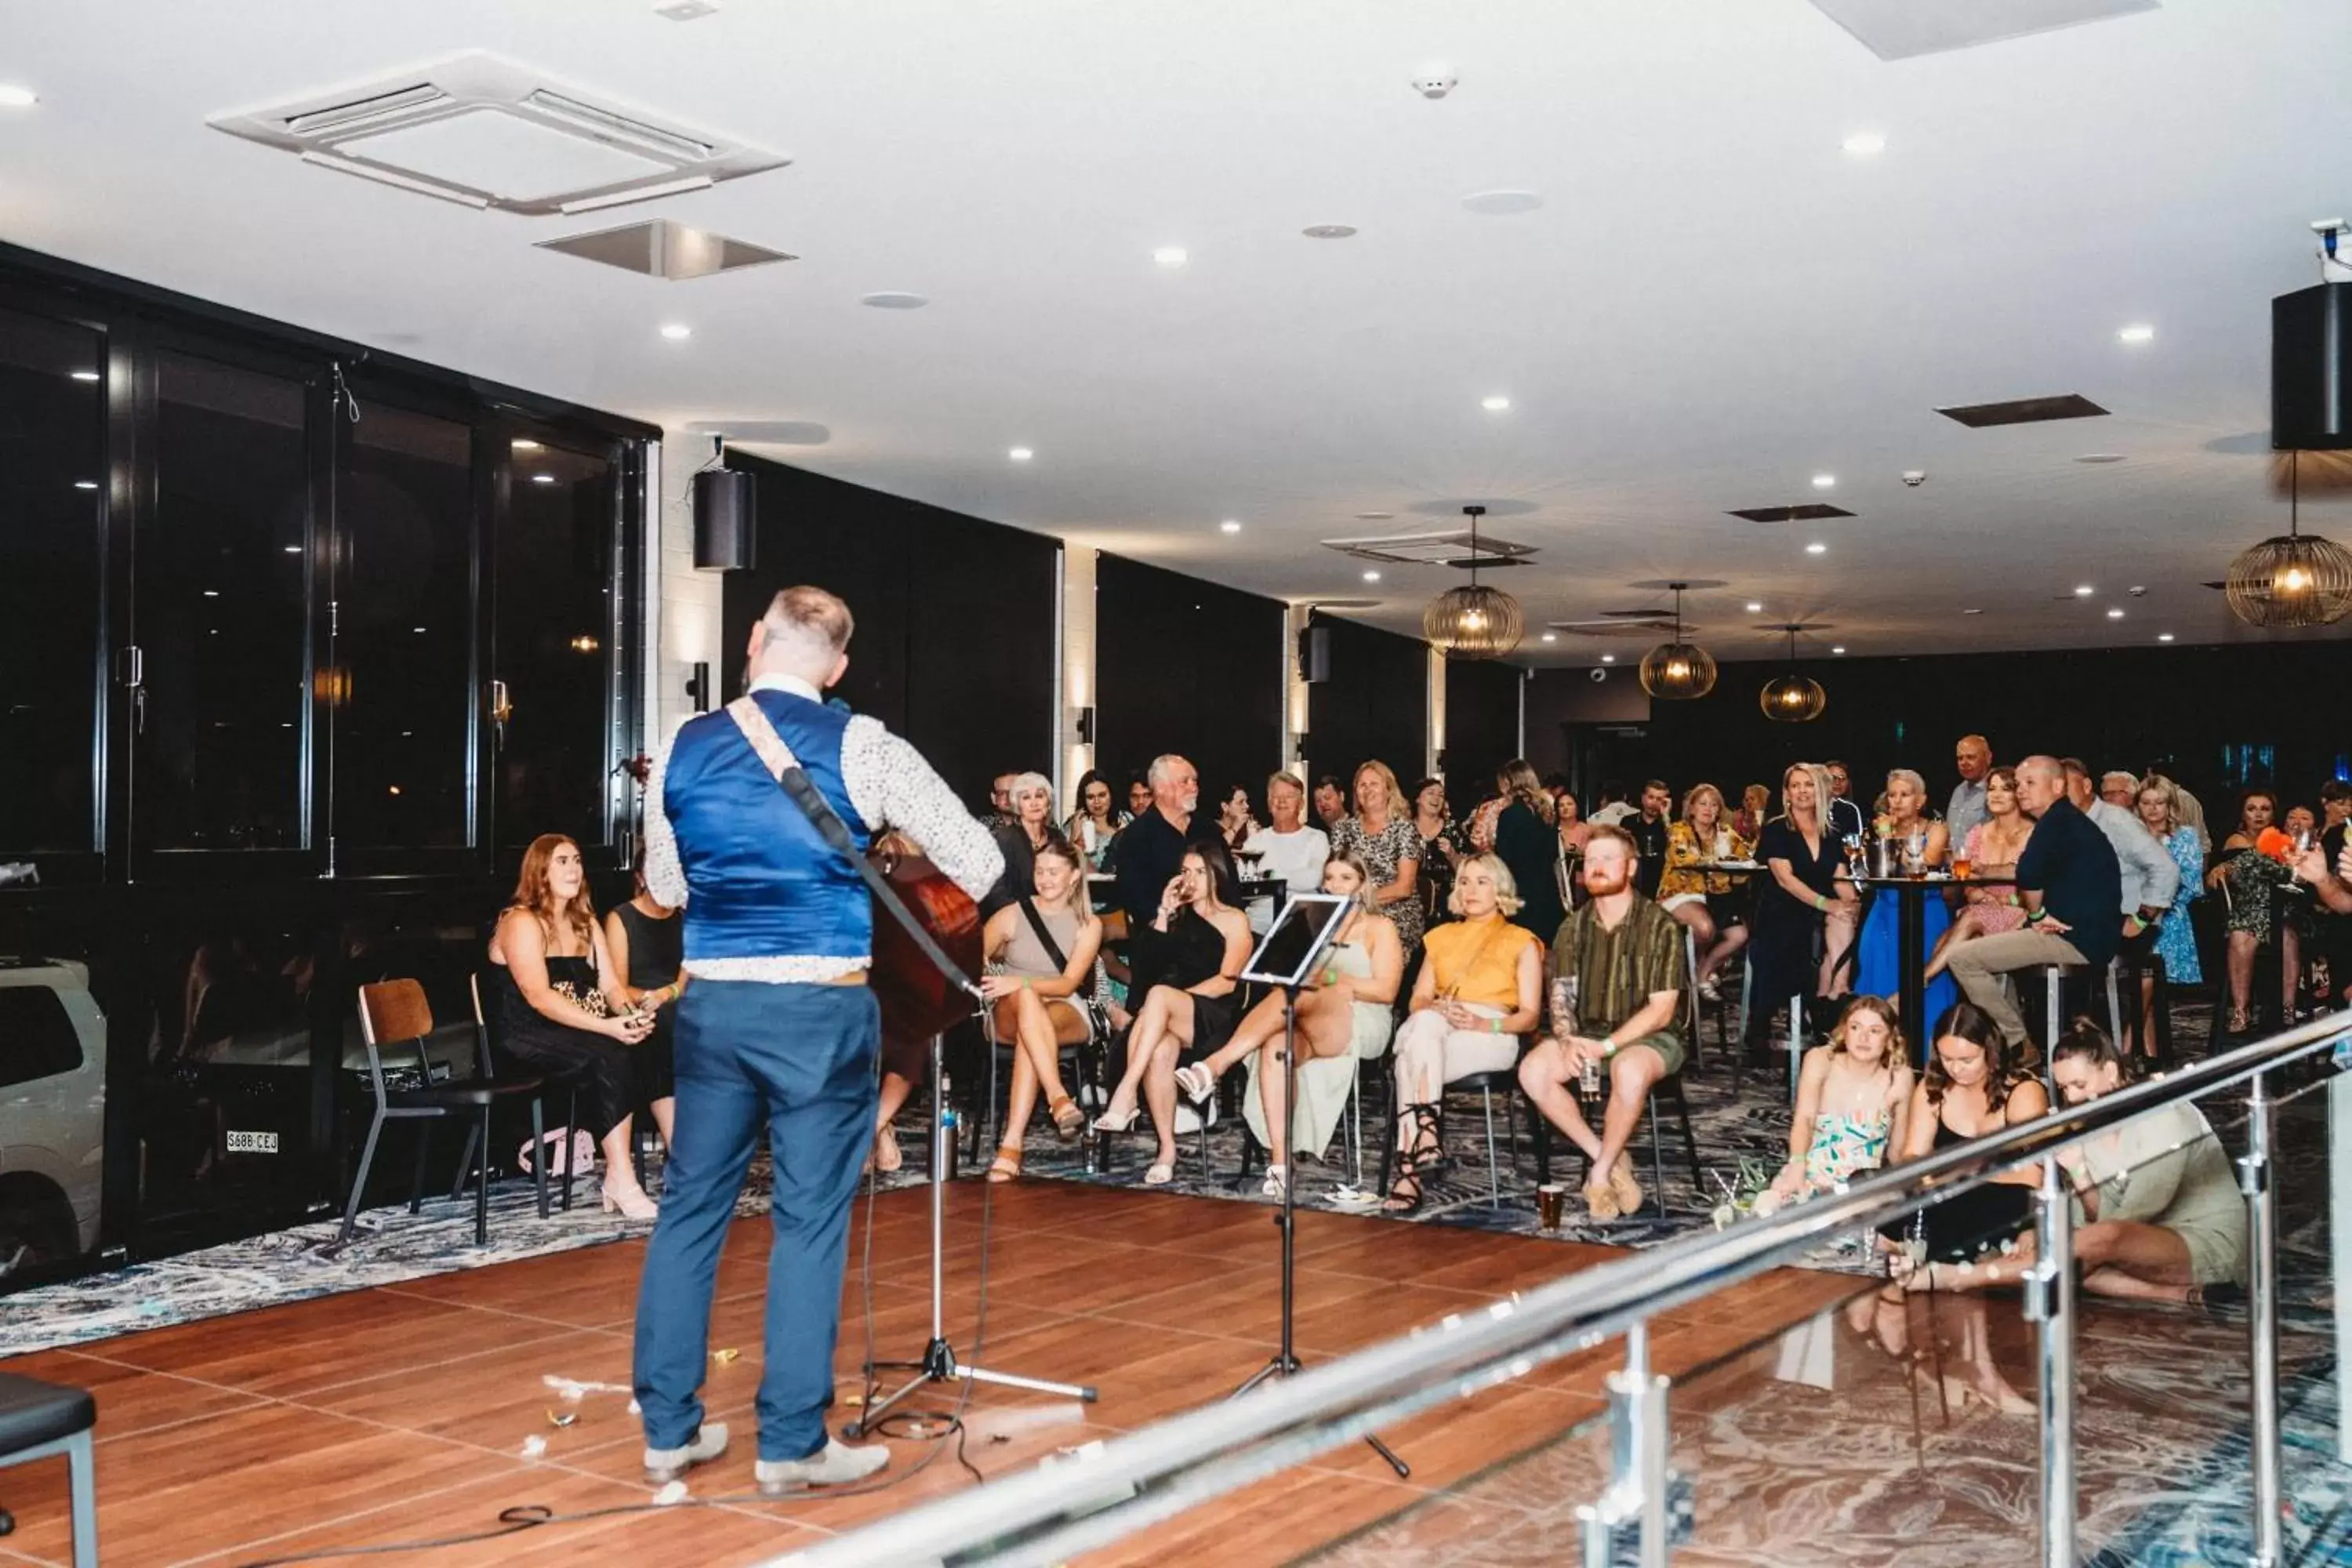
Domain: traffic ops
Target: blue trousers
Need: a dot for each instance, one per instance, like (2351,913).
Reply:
(803,1057)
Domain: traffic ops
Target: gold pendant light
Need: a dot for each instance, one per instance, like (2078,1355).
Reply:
(1474,622)
(1678,670)
(1792,699)
(2293,579)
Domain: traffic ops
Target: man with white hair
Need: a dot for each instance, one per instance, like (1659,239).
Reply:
(1152,847)
(1972,758)
(776,1026)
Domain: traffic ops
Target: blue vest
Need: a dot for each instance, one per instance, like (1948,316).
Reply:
(762,883)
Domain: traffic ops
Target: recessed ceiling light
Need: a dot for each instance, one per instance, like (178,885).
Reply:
(542,478)
(293,549)
(1329,231)
(1371,576)
(1374,516)
(1866,143)
(2115,614)
(1756,607)
(677,332)
(1608,658)
(1495,404)
(212,593)
(1824,482)
(1502,203)
(2083,589)
(2100,458)
(18,98)
(1551,636)
(419,631)
(1817,548)
(1231,525)
(1972,612)
(1021,454)
(2137,333)
(894,299)
(85,484)
(1839,647)
(84,375)
(2164,637)
(524,444)
(1171,255)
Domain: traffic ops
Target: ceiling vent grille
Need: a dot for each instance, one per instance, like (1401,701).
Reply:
(2024,411)
(1447,547)
(485,132)
(1901,29)
(1623,624)
(1808,512)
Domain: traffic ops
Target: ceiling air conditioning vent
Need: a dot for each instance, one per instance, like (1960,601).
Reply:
(1806,512)
(1903,29)
(485,132)
(1447,547)
(2024,411)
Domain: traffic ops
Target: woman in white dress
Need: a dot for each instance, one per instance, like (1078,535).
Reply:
(1347,1014)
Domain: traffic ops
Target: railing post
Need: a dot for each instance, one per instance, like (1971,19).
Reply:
(2262,1318)
(2339,1261)
(2050,1302)
(1639,1479)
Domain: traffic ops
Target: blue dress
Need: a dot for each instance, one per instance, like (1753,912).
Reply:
(1878,964)
(2176,940)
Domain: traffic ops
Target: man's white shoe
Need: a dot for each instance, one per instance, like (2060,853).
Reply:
(666,1464)
(835,1465)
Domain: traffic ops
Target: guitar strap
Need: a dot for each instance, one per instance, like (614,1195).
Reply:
(786,769)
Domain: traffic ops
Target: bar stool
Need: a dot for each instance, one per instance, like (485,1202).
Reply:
(2054,977)
(39,1420)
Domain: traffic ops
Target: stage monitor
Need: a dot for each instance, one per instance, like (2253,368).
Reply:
(1306,927)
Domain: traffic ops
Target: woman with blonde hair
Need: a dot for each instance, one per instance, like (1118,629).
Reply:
(1878,967)
(1041,955)
(1702,899)
(1854,1097)
(1807,867)
(1478,993)
(563,1009)
(1382,833)
(1528,841)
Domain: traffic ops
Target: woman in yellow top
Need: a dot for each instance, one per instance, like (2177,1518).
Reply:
(1704,901)
(1481,979)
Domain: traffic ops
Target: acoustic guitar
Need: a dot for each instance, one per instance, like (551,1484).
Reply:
(918,1000)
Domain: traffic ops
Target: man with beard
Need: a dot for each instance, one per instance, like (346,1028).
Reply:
(1625,954)
(1152,847)
(1330,801)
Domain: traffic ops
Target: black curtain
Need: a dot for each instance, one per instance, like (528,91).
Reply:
(1187,667)
(954,646)
(1482,725)
(1375,705)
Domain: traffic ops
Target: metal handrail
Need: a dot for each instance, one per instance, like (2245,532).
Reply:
(1105,1492)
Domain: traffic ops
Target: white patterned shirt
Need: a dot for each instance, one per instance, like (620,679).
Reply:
(889,783)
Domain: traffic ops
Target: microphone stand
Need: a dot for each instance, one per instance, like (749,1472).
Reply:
(939,1362)
(1285,1361)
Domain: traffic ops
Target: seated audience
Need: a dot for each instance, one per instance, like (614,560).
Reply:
(1968,1091)
(1527,839)
(1755,809)
(1625,956)
(2250,882)
(1330,801)
(1152,847)
(647,944)
(1041,958)
(1477,994)
(1384,838)
(1853,1095)
(1878,952)
(2150,876)
(1615,808)
(1184,971)
(2158,804)
(1440,845)
(1290,849)
(1347,1011)
(1806,879)
(1841,813)
(1991,848)
(1000,800)
(563,1008)
(1030,830)
(2072,887)
(1972,758)
(1235,821)
(1095,822)
(1648,828)
(1139,797)
(2158,1215)
(1706,901)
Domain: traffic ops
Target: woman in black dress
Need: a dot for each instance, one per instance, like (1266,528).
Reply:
(1526,838)
(1185,966)
(561,1008)
(1806,869)
(648,943)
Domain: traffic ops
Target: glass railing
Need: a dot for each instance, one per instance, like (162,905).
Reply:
(2142,1433)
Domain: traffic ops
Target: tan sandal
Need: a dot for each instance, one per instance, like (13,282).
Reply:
(1068,1119)
(1005,1167)
(886,1154)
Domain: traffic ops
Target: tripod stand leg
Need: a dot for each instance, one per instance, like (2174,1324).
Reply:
(1034,1384)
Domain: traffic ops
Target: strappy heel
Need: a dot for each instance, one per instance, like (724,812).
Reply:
(1426,1151)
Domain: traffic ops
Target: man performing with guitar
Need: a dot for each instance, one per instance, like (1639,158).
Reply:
(777,1022)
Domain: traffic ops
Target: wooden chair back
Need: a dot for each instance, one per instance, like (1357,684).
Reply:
(393,1010)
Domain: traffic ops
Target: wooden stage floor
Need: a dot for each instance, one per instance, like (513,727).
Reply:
(400,1413)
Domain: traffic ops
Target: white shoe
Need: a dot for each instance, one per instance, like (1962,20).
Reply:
(1197,1082)
(1275,1177)
(663,1466)
(1707,990)
(630,1200)
(835,1465)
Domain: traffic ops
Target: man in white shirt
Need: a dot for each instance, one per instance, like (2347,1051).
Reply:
(2150,875)
(1291,850)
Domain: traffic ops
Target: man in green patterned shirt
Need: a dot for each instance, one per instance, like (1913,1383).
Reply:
(1626,956)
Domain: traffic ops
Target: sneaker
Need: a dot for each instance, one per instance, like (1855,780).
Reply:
(1709,991)
(663,1466)
(835,1465)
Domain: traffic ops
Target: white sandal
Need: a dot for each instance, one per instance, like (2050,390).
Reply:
(1197,1082)
(1276,1177)
(1158,1175)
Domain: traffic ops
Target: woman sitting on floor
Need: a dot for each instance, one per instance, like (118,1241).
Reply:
(1041,954)
(2158,1213)
(1852,1096)
(1349,1011)
(1478,993)
(1184,968)
(562,1007)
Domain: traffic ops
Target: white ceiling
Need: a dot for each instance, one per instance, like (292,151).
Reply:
(1714,303)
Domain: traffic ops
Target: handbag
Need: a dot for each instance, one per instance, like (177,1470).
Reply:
(568,1149)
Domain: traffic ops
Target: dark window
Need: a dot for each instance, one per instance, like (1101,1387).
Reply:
(37,1038)
(400,684)
(553,653)
(221,578)
(52,471)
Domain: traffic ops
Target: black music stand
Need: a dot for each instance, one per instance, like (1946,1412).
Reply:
(1301,934)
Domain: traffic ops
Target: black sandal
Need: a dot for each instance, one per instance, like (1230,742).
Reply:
(1400,1201)
(1428,1123)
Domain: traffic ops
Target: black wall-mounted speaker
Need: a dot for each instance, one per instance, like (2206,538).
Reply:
(2311,368)
(1315,655)
(725,533)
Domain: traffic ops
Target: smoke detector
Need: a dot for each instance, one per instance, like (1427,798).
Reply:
(486,132)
